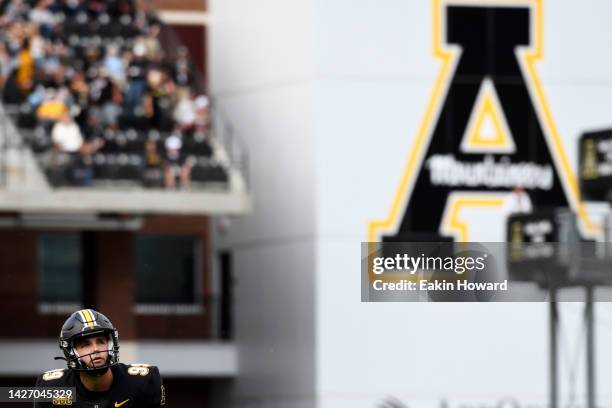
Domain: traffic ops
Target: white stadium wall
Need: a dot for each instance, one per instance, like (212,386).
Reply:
(330,97)
(261,75)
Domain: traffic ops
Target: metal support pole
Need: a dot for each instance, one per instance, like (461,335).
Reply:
(554,321)
(589,315)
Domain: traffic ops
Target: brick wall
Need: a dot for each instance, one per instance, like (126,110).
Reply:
(108,282)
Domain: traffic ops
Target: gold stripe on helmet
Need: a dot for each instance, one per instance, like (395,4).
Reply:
(89,317)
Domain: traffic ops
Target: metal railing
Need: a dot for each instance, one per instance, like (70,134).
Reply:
(12,147)
(225,132)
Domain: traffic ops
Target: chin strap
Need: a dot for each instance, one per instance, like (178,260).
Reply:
(96,372)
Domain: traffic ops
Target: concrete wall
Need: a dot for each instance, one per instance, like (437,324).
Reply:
(262,76)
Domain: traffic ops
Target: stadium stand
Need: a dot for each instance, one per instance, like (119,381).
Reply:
(98,100)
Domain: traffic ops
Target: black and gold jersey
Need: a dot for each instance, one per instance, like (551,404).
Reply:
(134,386)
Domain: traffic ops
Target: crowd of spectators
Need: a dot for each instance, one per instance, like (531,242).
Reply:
(91,76)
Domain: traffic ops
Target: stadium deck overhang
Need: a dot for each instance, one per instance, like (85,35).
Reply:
(75,200)
(180,358)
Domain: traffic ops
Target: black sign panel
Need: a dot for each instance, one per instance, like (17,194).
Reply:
(536,251)
(596,166)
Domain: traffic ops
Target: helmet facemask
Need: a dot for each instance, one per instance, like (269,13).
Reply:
(82,362)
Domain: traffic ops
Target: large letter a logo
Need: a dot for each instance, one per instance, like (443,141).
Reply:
(487,129)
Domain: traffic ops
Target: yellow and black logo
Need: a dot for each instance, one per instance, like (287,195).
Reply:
(516,241)
(487,129)
(62,401)
(589,164)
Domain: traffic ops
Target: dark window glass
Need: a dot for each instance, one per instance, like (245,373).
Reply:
(60,267)
(165,269)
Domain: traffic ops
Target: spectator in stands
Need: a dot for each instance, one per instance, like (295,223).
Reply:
(15,10)
(202,117)
(6,64)
(153,175)
(12,37)
(53,107)
(111,109)
(36,97)
(25,68)
(150,43)
(136,74)
(95,7)
(42,16)
(67,138)
(59,78)
(148,107)
(155,80)
(99,86)
(114,64)
(185,110)
(11,92)
(72,7)
(182,68)
(50,61)
(91,61)
(152,157)
(176,164)
(66,135)
(93,127)
(162,90)
(79,89)
(37,43)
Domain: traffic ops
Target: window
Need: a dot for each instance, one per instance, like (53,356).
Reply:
(166,277)
(59,265)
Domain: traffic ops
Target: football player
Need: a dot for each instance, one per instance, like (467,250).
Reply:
(90,344)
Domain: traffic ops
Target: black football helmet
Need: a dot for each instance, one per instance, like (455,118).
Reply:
(86,323)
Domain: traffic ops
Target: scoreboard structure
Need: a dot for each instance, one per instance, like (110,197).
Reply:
(596,165)
(545,247)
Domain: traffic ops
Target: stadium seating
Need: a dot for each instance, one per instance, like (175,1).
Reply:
(104,61)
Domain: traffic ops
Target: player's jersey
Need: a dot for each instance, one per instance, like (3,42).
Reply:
(135,385)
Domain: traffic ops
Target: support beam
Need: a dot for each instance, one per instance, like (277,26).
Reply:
(553,329)
(589,315)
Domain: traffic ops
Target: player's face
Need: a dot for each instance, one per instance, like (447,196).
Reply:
(93,350)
